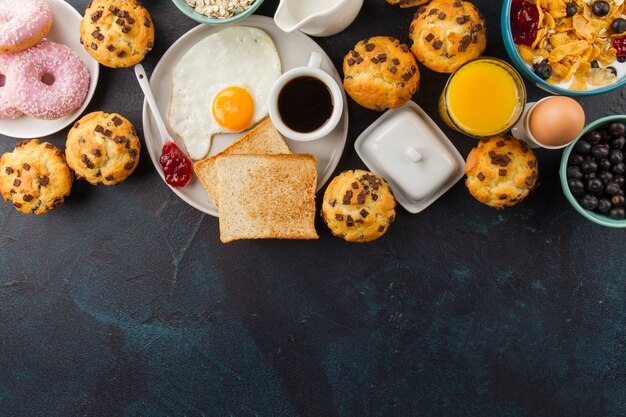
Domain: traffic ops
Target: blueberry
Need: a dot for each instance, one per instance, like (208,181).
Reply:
(604,205)
(612,70)
(543,71)
(611,188)
(591,175)
(593,137)
(582,147)
(605,176)
(604,164)
(574,172)
(571,9)
(618,25)
(595,64)
(600,151)
(621,58)
(618,169)
(620,180)
(618,201)
(617,213)
(589,166)
(606,135)
(600,8)
(618,143)
(616,156)
(588,202)
(595,186)
(575,159)
(617,129)
(576,186)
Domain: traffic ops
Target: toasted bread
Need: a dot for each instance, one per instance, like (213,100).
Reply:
(263,139)
(266,196)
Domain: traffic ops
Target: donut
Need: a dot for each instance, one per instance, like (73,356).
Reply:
(48,81)
(8,111)
(23,23)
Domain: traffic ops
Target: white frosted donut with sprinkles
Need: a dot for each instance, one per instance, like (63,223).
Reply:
(8,111)
(48,81)
(23,23)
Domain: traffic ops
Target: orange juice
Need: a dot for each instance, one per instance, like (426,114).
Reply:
(483,98)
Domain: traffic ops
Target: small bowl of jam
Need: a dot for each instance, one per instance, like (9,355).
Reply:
(562,61)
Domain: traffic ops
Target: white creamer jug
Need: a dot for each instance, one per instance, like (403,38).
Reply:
(317,17)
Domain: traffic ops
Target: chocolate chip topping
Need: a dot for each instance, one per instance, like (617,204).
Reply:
(355,185)
(404,48)
(133,153)
(107,133)
(96,16)
(351,62)
(374,60)
(27,198)
(26,166)
(441,16)
(437,44)
(502,172)
(130,20)
(109,178)
(457,4)
(347,197)
(359,60)
(429,37)
(395,61)
(17,205)
(374,197)
(382,57)
(126,29)
(9,170)
(360,198)
(113,9)
(111,48)
(349,221)
(120,21)
(433,11)
(150,45)
(339,217)
(500,143)
(96,152)
(121,54)
(43,181)
(99,129)
(94,46)
(502,196)
(364,213)
(532,164)
(393,69)
(369,47)
(421,10)
(354,53)
(480,176)
(49,145)
(462,19)
(120,139)
(17,182)
(146,22)
(381,228)
(128,166)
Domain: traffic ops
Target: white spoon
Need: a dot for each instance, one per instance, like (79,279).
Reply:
(175,163)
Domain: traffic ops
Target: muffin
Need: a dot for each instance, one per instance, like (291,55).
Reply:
(407,3)
(358,206)
(447,33)
(501,171)
(35,177)
(380,73)
(103,148)
(117,33)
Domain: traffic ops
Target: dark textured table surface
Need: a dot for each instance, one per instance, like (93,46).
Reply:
(123,302)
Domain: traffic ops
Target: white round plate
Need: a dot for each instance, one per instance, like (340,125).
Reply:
(295,50)
(65,30)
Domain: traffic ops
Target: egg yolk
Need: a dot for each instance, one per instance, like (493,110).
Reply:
(233,108)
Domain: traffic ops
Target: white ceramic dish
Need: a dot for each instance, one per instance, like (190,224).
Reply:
(295,51)
(65,30)
(405,147)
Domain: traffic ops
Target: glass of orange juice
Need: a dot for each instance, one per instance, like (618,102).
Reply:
(483,98)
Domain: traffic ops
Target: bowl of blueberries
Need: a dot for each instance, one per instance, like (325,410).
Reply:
(593,172)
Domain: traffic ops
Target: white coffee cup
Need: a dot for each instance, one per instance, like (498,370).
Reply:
(312,70)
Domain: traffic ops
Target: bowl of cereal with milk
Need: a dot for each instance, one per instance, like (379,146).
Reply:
(569,47)
(217,12)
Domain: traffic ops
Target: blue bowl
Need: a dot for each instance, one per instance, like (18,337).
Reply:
(518,62)
(189,11)
(591,215)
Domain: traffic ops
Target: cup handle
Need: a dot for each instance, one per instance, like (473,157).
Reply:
(316,60)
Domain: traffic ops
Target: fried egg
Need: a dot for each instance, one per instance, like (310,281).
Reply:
(222,85)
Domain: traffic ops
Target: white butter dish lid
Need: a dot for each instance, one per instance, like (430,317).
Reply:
(405,147)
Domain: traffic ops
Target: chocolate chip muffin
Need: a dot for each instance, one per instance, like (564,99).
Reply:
(501,171)
(117,33)
(407,3)
(447,33)
(358,206)
(103,148)
(380,73)
(35,177)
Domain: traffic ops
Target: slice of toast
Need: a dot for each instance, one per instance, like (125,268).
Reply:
(262,139)
(266,196)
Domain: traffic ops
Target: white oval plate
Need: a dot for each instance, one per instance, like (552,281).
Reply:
(295,50)
(65,30)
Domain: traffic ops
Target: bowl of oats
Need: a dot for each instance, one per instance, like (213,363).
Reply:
(568,47)
(217,12)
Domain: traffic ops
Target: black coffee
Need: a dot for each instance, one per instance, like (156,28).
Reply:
(305,104)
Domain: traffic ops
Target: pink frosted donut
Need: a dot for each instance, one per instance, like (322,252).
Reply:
(23,23)
(7,110)
(48,81)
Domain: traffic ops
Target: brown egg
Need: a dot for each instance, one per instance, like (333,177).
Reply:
(556,121)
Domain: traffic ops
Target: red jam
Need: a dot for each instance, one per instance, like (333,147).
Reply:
(620,45)
(524,22)
(176,165)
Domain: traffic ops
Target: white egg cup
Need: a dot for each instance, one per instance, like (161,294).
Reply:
(312,70)
(522,131)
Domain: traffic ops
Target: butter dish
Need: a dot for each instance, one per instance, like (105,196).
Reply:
(408,149)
